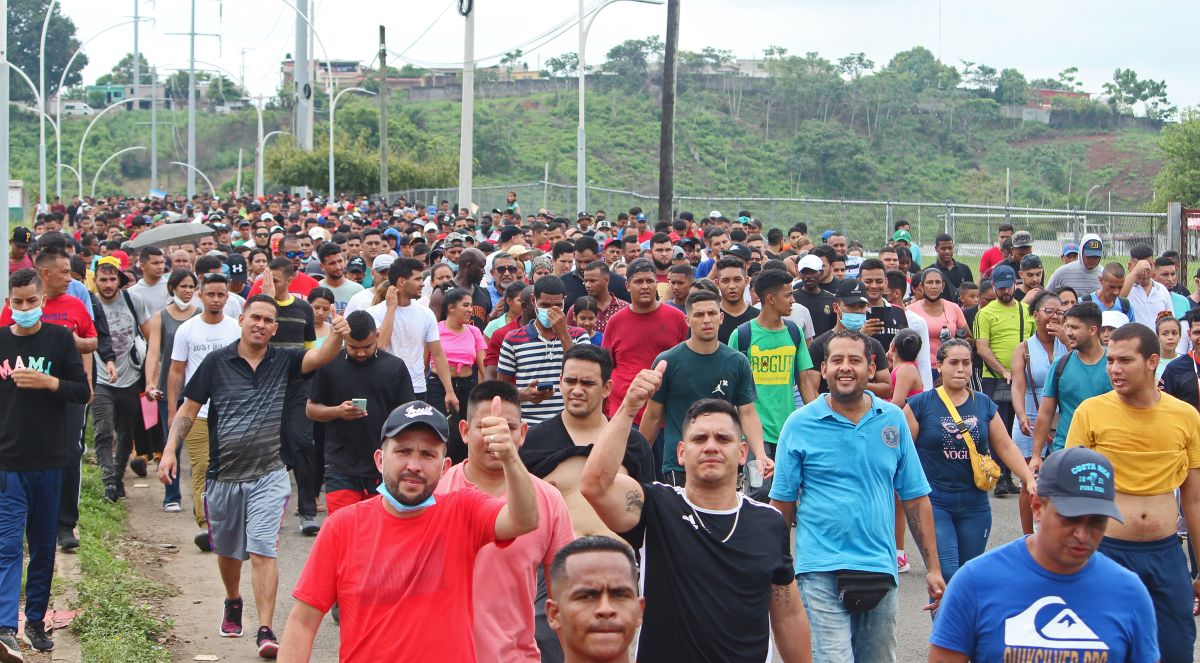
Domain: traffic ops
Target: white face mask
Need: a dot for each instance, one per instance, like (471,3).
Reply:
(180,304)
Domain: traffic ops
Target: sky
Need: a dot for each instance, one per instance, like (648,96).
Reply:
(1039,38)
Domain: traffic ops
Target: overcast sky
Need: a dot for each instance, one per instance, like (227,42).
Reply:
(1039,38)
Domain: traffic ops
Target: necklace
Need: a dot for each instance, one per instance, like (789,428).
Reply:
(736,516)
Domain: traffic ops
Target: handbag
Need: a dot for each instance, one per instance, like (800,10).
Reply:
(861,591)
(137,353)
(984,469)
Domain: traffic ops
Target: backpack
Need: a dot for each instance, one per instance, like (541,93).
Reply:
(743,343)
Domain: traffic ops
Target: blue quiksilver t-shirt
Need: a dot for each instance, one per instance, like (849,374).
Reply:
(1003,606)
(844,477)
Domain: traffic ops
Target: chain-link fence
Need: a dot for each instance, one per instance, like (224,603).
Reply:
(973,226)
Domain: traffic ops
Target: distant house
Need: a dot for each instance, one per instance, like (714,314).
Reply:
(1044,99)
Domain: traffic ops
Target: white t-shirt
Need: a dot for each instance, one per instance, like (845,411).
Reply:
(924,367)
(361,301)
(233,306)
(412,327)
(195,339)
(1147,306)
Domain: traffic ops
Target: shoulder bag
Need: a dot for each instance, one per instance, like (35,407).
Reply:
(984,469)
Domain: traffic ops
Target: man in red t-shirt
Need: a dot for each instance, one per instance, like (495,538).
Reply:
(302,284)
(400,566)
(993,256)
(635,335)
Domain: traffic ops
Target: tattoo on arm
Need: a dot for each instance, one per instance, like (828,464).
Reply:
(181,428)
(912,513)
(634,502)
(781,594)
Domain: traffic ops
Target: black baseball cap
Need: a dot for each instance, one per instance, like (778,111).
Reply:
(1031,262)
(237,267)
(738,250)
(415,413)
(1080,482)
(21,236)
(851,291)
(357,264)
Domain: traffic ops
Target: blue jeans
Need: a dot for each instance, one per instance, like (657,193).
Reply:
(28,510)
(841,637)
(170,491)
(962,521)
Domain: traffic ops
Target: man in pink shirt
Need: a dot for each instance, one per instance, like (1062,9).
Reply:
(506,579)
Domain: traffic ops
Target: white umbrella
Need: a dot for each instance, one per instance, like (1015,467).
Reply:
(171,233)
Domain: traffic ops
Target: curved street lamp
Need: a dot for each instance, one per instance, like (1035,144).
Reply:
(332,106)
(104,163)
(258,168)
(82,141)
(42,106)
(201,173)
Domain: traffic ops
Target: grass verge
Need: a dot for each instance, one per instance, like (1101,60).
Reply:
(117,622)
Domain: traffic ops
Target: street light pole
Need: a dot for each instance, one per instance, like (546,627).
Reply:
(191,132)
(42,105)
(114,155)
(4,128)
(88,130)
(261,154)
(332,106)
(466,143)
(585,24)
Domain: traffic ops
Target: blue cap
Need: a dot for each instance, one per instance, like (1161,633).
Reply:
(1070,249)
(826,235)
(640,217)
(1080,482)
(1003,276)
(432,209)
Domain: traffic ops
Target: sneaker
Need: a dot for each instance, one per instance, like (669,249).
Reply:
(138,465)
(268,644)
(110,493)
(309,526)
(902,562)
(67,541)
(10,649)
(35,635)
(172,507)
(121,490)
(231,622)
(203,541)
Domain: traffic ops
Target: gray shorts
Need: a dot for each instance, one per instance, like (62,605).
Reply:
(244,516)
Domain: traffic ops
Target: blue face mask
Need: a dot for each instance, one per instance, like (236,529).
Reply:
(528,267)
(27,319)
(403,508)
(543,317)
(854,321)
(453,267)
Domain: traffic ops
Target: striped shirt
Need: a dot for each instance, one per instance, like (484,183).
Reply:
(526,356)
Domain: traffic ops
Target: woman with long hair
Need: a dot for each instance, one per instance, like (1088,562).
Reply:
(322,301)
(463,344)
(944,318)
(1030,366)
(962,514)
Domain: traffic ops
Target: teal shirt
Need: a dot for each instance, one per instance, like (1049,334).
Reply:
(690,377)
(1079,383)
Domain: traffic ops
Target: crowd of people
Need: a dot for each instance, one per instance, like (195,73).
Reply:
(534,438)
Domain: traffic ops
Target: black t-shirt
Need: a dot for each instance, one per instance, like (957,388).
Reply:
(33,422)
(296,325)
(1179,379)
(384,381)
(481,302)
(547,444)
(707,599)
(894,319)
(816,350)
(731,322)
(820,308)
(953,277)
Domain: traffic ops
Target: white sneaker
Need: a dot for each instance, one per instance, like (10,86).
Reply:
(902,562)
(172,507)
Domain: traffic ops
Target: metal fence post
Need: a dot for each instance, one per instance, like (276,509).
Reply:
(887,223)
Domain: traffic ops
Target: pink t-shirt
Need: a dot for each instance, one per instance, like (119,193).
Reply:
(506,577)
(460,347)
(952,319)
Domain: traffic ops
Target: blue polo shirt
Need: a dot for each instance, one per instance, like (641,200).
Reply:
(842,476)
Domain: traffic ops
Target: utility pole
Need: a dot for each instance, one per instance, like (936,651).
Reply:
(383,119)
(666,139)
(300,76)
(191,133)
(155,98)
(466,145)
(4,127)
(137,65)
(258,152)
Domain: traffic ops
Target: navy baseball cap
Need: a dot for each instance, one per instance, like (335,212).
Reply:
(415,413)
(1003,276)
(1080,482)
(851,291)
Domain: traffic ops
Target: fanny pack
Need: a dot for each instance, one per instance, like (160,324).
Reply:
(861,591)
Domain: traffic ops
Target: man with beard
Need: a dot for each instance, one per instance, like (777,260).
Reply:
(661,251)
(407,558)
(333,264)
(587,252)
(470,273)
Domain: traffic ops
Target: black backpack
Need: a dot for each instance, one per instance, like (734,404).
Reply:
(743,345)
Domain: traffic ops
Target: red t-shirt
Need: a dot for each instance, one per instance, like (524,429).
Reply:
(635,339)
(64,311)
(403,585)
(990,259)
(492,356)
(301,286)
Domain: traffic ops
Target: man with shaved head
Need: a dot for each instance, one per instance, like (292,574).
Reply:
(470,272)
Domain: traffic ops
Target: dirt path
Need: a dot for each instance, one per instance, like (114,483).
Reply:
(196,608)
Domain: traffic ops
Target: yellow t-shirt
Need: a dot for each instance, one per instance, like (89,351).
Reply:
(1151,449)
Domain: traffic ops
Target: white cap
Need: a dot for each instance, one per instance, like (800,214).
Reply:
(431,226)
(382,261)
(714,214)
(810,262)
(267,217)
(1113,319)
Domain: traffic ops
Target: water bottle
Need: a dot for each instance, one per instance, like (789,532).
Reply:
(945,335)
(756,477)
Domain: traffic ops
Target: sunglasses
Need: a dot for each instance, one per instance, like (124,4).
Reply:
(292,254)
(260,235)
(511,269)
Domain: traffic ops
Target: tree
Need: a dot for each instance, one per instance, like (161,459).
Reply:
(855,65)
(565,66)
(980,78)
(176,85)
(25,19)
(222,89)
(833,158)
(1011,89)
(509,60)
(630,60)
(1126,89)
(923,71)
(122,72)
(1067,80)
(1179,179)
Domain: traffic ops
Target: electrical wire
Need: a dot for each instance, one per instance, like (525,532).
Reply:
(427,29)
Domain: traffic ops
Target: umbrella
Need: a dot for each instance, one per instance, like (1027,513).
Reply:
(171,233)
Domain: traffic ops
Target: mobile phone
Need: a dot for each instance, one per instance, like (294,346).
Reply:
(360,403)
(546,387)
